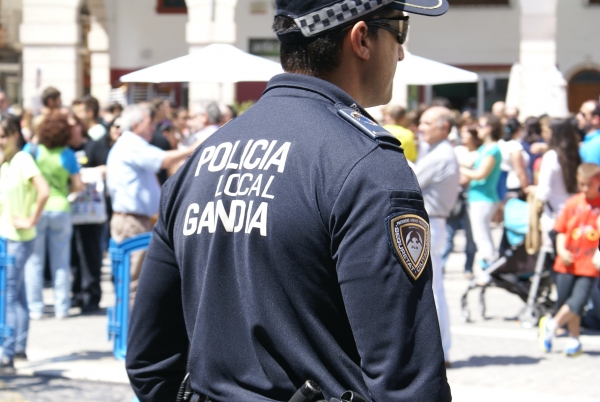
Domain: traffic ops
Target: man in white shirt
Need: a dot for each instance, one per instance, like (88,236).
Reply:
(438,175)
(204,121)
(131,179)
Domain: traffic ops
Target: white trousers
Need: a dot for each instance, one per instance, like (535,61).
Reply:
(438,242)
(480,214)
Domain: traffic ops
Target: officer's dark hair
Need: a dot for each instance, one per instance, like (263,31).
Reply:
(92,104)
(317,57)
(495,124)
(50,93)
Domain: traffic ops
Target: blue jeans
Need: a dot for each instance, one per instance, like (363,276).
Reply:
(452,225)
(17,314)
(54,229)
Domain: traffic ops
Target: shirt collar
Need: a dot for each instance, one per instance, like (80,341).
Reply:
(131,136)
(590,135)
(315,85)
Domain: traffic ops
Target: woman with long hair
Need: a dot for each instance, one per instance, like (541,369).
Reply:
(86,242)
(482,194)
(536,133)
(59,167)
(466,155)
(23,194)
(557,181)
(514,179)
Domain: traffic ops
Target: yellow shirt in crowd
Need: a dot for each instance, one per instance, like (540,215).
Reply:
(406,137)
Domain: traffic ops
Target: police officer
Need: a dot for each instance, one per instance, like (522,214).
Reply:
(293,245)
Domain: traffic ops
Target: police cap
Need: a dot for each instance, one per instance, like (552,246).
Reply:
(314,17)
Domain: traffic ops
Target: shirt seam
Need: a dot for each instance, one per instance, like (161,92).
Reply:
(339,190)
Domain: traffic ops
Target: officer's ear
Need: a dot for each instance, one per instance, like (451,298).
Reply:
(360,40)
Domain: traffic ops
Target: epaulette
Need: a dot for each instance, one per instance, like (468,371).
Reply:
(366,125)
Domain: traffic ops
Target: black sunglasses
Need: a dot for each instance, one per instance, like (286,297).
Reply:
(396,25)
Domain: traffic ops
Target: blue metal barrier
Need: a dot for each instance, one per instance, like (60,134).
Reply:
(5,261)
(118,316)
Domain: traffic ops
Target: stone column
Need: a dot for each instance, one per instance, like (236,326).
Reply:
(98,45)
(210,21)
(540,81)
(100,62)
(50,35)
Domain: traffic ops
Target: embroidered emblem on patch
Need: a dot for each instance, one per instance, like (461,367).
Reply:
(411,240)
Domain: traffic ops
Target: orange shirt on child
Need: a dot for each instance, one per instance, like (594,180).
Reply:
(578,221)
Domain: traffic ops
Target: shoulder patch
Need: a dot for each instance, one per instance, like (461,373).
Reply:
(410,240)
(366,125)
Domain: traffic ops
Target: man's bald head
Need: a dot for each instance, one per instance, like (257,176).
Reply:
(436,123)
(498,109)
(588,118)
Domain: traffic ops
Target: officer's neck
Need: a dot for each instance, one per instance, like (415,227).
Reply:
(350,82)
(354,75)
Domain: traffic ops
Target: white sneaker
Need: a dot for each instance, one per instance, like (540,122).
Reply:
(35,316)
(573,348)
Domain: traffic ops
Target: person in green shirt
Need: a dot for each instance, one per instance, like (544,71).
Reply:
(483,194)
(60,168)
(23,194)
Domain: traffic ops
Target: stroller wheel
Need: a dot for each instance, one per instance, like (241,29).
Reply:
(530,317)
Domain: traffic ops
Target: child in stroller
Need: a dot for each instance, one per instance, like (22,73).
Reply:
(527,276)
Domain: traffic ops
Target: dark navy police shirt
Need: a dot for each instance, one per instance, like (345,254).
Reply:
(271,257)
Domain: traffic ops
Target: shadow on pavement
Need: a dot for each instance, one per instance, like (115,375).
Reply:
(87,355)
(481,361)
(100,311)
(46,387)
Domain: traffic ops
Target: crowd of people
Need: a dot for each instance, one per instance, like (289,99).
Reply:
(482,162)
(72,177)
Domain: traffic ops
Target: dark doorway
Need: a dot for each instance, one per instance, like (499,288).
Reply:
(584,85)
(462,96)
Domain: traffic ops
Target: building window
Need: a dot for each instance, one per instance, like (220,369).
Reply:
(479,2)
(171,7)
(264,47)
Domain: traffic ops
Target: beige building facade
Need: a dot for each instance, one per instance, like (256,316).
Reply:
(83,46)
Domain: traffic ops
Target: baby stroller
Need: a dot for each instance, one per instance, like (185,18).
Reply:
(527,276)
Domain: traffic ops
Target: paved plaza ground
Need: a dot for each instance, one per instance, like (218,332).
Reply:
(493,359)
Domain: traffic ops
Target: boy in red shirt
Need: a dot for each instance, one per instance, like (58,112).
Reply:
(576,245)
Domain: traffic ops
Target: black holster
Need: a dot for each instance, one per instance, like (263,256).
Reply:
(185,393)
(311,392)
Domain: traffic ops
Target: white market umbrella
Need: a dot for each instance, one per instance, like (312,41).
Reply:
(216,63)
(415,70)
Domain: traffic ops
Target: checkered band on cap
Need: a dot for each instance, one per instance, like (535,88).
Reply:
(336,14)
